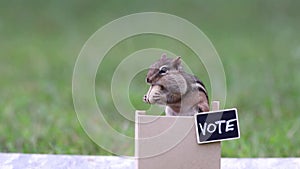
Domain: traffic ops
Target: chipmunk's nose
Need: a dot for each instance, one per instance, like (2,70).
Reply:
(145,98)
(148,80)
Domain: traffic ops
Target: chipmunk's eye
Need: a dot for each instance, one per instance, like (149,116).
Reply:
(163,70)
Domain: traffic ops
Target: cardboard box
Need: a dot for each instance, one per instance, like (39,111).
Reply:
(169,142)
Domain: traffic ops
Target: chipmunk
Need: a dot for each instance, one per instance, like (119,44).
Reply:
(183,94)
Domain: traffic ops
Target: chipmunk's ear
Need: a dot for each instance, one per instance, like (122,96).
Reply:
(163,56)
(176,62)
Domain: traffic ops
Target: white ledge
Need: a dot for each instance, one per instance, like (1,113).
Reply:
(47,161)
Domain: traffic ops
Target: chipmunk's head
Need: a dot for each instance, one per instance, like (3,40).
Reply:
(163,67)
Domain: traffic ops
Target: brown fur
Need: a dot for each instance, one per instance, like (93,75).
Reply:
(174,88)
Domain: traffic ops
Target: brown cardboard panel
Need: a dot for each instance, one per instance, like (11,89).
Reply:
(169,142)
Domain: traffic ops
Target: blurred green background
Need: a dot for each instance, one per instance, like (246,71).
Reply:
(258,42)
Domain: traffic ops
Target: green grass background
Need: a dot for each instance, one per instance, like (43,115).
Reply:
(258,42)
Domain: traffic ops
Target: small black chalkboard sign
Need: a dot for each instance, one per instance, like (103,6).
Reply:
(217,126)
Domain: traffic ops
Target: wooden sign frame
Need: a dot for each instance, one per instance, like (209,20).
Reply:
(220,133)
